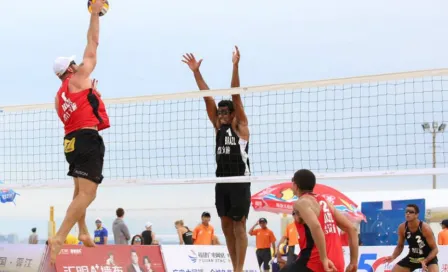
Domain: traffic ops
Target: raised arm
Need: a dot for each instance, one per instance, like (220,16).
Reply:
(210,104)
(240,115)
(81,77)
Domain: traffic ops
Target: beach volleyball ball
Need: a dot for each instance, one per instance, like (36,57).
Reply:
(283,249)
(103,11)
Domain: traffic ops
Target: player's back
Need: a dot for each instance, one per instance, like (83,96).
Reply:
(309,253)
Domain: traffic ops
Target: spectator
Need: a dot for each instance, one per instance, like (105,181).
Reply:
(292,238)
(137,240)
(148,235)
(120,230)
(100,234)
(203,234)
(215,241)
(265,240)
(34,238)
(443,234)
(185,234)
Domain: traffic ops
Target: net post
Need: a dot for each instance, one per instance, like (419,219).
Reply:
(51,223)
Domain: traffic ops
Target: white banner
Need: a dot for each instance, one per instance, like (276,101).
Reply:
(204,259)
(20,258)
(371,258)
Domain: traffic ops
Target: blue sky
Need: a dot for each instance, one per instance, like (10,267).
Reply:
(142,43)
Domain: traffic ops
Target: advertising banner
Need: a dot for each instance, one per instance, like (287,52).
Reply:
(20,258)
(110,259)
(204,259)
(372,258)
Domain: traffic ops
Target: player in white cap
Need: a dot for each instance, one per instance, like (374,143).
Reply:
(81,110)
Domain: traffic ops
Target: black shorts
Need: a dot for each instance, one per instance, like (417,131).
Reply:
(264,257)
(84,151)
(233,200)
(413,263)
(296,266)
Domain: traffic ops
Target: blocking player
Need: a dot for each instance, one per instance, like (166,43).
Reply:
(80,108)
(232,144)
(317,222)
(422,245)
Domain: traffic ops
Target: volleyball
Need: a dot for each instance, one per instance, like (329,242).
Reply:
(104,10)
(283,249)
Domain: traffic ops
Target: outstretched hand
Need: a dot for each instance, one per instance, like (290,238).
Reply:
(236,56)
(97,6)
(191,61)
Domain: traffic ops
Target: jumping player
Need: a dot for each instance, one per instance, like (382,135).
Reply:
(422,245)
(317,222)
(80,108)
(232,144)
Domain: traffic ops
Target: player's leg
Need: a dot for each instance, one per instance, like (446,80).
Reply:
(403,266)
(239,211)
(86,194)
(291,257)
(266,259)
(222,203)
(259,255)
(433,266)
(83,235)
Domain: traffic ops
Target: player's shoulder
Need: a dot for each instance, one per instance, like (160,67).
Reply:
(402,226)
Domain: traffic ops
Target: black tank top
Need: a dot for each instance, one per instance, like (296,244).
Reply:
(418,246)
(231,153)
(188,237)
(147,237)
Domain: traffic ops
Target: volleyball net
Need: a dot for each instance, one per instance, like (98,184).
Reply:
(350,125)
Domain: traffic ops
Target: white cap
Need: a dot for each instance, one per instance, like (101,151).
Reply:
(61,65)
(99,220)
(148,224)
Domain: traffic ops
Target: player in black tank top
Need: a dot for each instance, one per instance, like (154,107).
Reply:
(188,237)
(232,200)
(231,153)
(422,246)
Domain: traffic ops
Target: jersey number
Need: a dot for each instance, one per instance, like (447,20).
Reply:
(324,206)
(229,132)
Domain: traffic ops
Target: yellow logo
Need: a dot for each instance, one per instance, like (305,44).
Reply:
(69,145)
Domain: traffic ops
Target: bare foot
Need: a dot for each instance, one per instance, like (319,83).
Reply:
(55,245)
(86,240)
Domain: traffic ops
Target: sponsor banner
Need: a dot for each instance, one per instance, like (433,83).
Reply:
(372,258)
(204,259)
(110,259)
(18,258)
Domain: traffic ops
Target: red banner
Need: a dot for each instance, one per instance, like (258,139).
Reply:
(110,259)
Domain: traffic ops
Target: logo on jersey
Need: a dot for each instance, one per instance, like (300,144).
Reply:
(68,107)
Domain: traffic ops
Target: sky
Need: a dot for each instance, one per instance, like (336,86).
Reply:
(141,45)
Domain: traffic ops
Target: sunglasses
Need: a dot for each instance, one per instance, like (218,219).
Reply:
(223,112)
(410,211)
(137,240)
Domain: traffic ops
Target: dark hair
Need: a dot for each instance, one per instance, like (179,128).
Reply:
(305,180)
(136,236)
(444,223)
(206,214)
(416,208)
(119,212)
(146,258)
(33,230)
(133,251)
(227,103)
